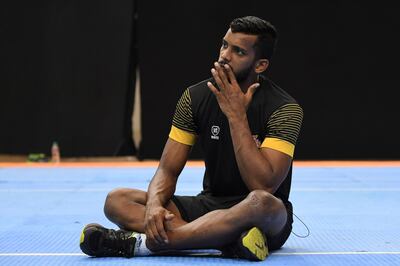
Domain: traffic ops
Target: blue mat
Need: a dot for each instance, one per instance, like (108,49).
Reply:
(352,214)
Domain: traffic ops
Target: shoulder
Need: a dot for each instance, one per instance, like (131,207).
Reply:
(273,96)
(278,93)
(201,96)
(200,88)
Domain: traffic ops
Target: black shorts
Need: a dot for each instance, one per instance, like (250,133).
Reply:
(193,207)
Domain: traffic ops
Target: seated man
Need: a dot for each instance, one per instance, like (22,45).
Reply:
(247,127)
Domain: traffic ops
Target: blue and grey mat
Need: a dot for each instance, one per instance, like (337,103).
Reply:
(352,213)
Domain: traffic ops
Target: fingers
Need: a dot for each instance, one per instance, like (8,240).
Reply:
(221,73)
(252,89)
(218,72)
(217,79)
(231,76)
(169,216)
(154,228)
(213,88)
(153,232)
(149,233)
(249,94)
(161,233)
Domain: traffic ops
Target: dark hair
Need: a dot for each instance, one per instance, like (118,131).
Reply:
(266,32)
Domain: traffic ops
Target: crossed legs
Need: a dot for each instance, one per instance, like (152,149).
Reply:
(214,230)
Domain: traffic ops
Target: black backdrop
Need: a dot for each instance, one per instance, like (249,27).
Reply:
(66,72)
(337,58)
(66,76)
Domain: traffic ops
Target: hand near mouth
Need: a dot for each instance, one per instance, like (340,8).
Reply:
(232,101)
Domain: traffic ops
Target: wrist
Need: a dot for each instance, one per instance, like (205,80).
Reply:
(153,203)
(237,119)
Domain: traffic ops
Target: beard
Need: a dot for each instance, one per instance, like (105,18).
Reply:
(242,75)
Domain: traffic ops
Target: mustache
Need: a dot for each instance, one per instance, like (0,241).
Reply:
(223,62)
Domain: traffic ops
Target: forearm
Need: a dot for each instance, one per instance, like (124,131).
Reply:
(161,188)
(256,171)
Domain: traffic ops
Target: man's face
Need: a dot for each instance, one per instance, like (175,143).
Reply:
(237,50)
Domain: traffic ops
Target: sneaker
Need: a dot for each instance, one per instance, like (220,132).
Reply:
(98,241)
(251,245)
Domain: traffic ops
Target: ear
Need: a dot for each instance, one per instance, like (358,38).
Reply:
(261,65)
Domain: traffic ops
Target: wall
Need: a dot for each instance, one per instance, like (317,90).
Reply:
(338,59)
(66,72)
(66,76)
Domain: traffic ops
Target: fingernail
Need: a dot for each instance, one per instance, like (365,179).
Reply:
(215,64)
(212,70)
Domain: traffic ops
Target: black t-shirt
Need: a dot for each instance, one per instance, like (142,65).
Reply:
(274,119)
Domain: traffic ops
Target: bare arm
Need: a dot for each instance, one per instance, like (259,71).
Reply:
(163,184)
(162,188)
(260,168)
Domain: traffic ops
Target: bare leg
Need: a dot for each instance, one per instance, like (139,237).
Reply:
(126,208)
(222,227)
(213,230)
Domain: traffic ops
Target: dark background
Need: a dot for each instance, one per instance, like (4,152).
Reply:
(67,72)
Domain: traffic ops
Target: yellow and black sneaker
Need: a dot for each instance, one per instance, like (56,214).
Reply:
(251,245)
(98,241)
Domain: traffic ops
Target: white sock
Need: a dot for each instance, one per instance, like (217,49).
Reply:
(140,246)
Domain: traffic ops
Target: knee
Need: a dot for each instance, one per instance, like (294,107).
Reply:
(113,200)
(262,201)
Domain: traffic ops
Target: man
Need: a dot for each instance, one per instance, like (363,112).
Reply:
(247,127)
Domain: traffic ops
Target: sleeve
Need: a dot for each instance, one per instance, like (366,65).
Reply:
(183,128)
(283,128)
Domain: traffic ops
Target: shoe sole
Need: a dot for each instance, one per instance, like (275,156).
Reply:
(255,245)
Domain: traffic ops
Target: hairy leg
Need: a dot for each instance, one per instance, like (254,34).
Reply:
(126,208)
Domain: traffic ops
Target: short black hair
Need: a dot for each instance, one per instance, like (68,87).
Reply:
(266,32)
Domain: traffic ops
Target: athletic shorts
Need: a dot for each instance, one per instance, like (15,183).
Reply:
(193,207)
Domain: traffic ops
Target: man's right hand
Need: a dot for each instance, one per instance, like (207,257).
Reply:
(154,224)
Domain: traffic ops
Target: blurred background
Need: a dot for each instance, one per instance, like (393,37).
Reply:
(102,78)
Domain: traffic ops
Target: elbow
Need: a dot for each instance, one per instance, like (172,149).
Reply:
(266,186)
(267,182)
(265,177)
(270,188)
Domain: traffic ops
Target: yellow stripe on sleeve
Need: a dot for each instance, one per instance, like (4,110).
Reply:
(182,136)
(279,145)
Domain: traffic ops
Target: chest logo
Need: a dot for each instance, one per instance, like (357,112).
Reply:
(214,132)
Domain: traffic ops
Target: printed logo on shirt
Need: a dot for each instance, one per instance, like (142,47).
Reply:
(214,132)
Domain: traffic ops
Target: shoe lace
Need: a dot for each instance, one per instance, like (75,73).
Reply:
(119,243)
